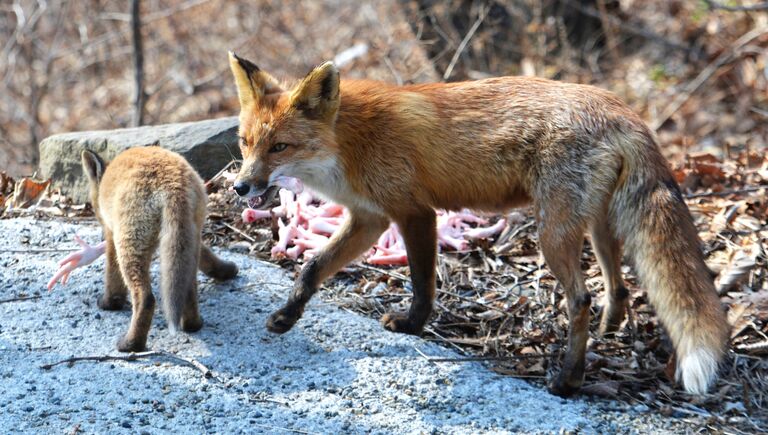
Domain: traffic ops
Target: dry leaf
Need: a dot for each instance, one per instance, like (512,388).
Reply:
(738,269)
(27,191)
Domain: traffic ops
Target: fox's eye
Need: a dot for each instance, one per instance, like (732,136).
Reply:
(243,142)
(276,148)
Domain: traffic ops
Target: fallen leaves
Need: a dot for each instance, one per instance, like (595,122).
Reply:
(498,299)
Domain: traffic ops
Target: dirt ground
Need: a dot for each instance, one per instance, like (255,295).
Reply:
(336,371)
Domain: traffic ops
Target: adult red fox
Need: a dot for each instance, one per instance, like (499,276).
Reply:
(148,196)
(584,160)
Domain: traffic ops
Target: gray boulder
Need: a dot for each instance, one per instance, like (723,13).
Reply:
(207,145)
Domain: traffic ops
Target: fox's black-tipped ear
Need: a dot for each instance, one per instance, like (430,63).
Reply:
(252,83)
(93,165)
(317,95)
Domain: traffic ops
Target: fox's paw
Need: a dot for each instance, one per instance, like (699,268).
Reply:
(130,344)
(225,270)
(400,322)
(192,324)
(282,320)
(562,385)
(111,303)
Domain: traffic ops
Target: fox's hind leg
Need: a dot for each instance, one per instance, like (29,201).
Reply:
(561,241)
(215,267)
(134,265)
(115,293)
(608,252)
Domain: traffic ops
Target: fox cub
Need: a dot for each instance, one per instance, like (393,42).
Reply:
(144,198)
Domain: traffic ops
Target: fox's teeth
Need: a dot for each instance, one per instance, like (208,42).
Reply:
(255,202)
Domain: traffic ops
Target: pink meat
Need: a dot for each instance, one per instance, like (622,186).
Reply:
(485,232)
(322,225)
(400,259)
(309,225)
(250,215)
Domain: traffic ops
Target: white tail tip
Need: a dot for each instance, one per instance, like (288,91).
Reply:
(697,371)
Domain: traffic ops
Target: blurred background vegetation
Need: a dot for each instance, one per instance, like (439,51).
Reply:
(696,70)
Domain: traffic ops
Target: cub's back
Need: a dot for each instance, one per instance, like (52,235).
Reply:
(142,181)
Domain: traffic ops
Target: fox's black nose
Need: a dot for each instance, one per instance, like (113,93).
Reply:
(242,188)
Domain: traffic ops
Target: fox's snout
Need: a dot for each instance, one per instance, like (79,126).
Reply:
(241,188)
(245,188)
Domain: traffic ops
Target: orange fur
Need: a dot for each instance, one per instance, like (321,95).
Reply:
(581,156)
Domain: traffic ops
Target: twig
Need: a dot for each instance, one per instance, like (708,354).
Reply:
(725,192)
(223,170)
(608,31)
(471,301)
(134,356)
(481,16)
(38,251)
(726,56)
(639,31)
(251,239)
(443,339)
(754,348)
(493,358)
(399,276)
(754,7)
(21,298)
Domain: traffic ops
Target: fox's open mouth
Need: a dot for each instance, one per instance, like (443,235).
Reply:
(264,200)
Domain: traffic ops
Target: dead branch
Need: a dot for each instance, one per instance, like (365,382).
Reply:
(38,251)
(135,356)
(139,99)
(725,192)
(726,57)
(21,298)
(493,358)
(741,8)
(629,28)
(754,348)
(480,17)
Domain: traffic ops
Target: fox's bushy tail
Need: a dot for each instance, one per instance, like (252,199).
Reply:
(652,219)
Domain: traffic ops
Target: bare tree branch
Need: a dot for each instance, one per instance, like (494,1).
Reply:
(754,7)
(139,99)
(484,9)
(134,356)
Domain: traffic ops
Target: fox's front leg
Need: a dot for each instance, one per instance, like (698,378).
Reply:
(420,235)
(357,234)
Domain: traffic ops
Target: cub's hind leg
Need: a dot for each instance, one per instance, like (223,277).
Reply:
(215,267)
(115,292)
(134,264)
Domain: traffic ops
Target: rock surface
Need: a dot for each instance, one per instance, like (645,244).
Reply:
(207,145)
(335,372)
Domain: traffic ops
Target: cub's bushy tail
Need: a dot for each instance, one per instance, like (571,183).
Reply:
(659,236)
(179,252)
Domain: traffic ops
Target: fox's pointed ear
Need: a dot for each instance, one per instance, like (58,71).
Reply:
(252,83)
(317,95)
(93,165)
